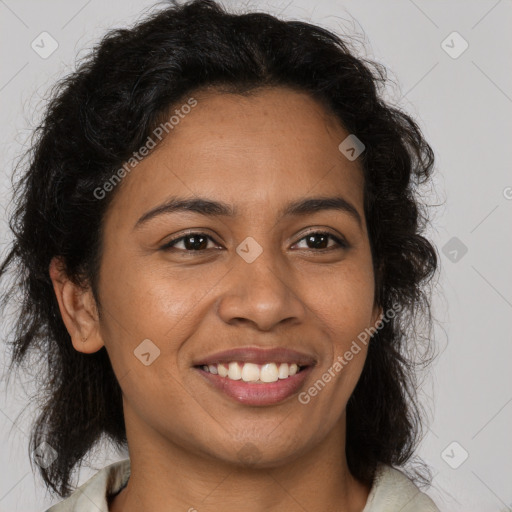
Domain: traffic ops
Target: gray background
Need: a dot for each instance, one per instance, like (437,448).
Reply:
(463,106)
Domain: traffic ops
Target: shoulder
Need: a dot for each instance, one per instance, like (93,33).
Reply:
(92,495)
(392,490)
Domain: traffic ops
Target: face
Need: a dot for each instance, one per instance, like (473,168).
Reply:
(193,284)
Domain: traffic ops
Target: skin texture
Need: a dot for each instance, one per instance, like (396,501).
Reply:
(257,153)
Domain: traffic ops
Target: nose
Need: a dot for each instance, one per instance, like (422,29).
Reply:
(261,293)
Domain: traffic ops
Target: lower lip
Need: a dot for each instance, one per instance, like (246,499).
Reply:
(255,393)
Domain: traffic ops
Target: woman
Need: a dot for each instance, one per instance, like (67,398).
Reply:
(217,239)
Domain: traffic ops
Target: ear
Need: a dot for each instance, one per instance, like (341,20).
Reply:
(77,308)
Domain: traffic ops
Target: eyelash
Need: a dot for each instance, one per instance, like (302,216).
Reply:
(169,246)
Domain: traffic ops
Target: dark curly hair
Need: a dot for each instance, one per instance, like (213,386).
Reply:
(102,112)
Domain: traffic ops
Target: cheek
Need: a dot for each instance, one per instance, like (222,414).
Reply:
(147,298)
(146,322)
(345,307)
(345,303)
(144,301)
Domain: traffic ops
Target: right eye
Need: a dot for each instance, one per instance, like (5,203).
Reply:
(192,242)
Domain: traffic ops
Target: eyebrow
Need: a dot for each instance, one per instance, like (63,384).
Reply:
(209,208)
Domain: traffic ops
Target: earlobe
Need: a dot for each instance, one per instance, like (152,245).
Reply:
(379,317)
(77,308)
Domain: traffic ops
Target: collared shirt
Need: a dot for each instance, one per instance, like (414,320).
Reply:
(391,491)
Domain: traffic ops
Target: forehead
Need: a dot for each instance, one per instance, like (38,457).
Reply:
(264,149)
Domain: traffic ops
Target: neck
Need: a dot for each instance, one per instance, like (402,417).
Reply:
(166,476)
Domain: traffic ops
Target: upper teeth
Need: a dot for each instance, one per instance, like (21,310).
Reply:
(250,372)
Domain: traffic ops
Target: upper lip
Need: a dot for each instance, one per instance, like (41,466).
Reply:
(258,355)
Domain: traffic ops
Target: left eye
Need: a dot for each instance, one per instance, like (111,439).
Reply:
(322,238)
(197,242)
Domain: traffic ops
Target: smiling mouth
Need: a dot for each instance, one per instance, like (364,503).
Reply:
(241,381)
